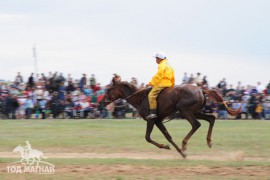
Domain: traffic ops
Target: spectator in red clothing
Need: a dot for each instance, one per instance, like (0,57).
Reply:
(99,98)
(97,87)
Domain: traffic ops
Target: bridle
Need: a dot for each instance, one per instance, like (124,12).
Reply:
(107,100)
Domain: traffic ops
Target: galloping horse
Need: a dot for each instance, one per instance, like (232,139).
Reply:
(189,100)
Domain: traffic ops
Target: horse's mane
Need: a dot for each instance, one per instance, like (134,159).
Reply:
(127,86)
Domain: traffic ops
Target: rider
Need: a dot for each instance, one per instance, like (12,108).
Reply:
(162,79)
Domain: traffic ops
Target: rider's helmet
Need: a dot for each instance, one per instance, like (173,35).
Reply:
(160,55)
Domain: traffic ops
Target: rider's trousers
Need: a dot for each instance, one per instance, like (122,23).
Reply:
(152,96)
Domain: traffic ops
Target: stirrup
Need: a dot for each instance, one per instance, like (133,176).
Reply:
(151,116)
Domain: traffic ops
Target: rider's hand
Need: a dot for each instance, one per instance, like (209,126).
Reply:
(148,85)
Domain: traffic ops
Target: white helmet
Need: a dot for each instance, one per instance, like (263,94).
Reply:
(160,55)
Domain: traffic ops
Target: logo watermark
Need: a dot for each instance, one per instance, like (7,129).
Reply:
(30,162)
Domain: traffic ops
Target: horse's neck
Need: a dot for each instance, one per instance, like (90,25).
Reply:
(133,100)
(127,90)
(127,93)
(133,103)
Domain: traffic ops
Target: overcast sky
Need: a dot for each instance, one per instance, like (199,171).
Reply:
(219,38)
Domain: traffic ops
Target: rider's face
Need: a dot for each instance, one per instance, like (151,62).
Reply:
(158,60)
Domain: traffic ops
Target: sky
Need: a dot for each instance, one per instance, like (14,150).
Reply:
(220,39)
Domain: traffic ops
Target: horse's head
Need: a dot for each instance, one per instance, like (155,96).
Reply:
(113,93)
(117,90)
(18,149)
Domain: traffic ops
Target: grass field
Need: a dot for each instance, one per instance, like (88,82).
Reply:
(116,149)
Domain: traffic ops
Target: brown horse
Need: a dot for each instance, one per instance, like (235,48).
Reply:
(189,100)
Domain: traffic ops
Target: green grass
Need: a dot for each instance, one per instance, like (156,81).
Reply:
(251,138)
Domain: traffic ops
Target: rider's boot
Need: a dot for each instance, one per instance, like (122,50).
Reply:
(152,114)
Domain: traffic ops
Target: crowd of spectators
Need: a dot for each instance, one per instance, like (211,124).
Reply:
(253,100)
(56,96)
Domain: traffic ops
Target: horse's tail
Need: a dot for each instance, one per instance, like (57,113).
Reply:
(218,98)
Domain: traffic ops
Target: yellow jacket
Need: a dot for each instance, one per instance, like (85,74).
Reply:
(165,75)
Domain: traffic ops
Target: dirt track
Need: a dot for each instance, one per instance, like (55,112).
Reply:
(171,171)
(239,156)
(142,170)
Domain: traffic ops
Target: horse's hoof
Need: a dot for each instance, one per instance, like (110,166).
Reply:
(184,155)
(167,147)
(210,144)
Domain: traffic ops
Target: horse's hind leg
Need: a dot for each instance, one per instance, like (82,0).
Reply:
(149,128)
(164,131)
(211,119)
(195,125)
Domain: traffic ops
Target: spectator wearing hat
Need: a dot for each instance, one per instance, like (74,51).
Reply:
(191,79)
(92,81)
(198,79)
(185,79)
(222,85)
(116,78)
(18,79)
(134,82)
(31,81)
(83,82)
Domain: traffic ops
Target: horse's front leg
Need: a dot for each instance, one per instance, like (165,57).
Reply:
(149,128)
(164,131)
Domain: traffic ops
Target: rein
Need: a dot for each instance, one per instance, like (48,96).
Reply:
(135,93)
